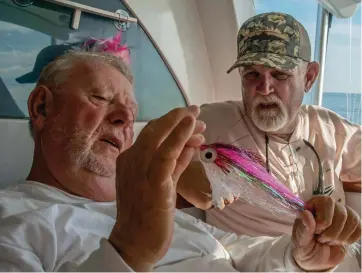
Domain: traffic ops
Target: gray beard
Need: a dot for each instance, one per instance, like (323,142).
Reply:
(269,122)
(93,164)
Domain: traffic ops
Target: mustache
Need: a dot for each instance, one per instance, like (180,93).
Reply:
(271,99)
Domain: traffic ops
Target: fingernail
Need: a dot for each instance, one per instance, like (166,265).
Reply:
(201,123)
(201,138)
(299,216)
(193,108)
(322,241)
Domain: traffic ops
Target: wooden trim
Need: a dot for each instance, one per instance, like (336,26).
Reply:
(76,18)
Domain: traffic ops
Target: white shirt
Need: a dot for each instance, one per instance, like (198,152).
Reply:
(45,229)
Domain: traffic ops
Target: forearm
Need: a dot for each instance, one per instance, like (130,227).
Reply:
(194,186)
(260,253)
(182,203)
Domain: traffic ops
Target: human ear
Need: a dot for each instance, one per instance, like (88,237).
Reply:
(39,103)
(311,75)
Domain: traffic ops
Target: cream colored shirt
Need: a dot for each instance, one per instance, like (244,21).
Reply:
(337,142)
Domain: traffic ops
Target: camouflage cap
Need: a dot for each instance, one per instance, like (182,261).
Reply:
(275,40)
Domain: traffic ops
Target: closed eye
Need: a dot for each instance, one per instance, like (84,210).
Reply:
(99,97)
(280,76)
(251,75)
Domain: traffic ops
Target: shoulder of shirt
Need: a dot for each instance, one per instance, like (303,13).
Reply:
(220,111)
(330,120)
(227,105)
(29,196)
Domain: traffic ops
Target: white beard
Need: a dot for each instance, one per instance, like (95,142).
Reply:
(272,117)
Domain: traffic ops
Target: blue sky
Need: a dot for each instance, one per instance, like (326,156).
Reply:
(343,66)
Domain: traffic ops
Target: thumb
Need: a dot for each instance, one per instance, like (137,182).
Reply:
(303,230)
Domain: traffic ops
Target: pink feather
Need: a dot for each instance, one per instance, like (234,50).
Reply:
(111,45)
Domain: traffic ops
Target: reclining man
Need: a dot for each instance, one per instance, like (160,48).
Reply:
(93,202)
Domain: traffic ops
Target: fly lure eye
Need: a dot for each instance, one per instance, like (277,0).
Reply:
(208,155)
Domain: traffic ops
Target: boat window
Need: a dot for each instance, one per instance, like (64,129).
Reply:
(32,36)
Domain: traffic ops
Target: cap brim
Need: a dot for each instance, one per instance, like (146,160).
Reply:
(271,60)
(45,56)
(30,77)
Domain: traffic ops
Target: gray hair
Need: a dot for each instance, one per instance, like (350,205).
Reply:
(56,72)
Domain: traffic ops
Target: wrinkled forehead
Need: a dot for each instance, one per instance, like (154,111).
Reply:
(95,71)
(97,74)
(103,79)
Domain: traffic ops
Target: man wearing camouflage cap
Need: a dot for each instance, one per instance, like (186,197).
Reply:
(308,148)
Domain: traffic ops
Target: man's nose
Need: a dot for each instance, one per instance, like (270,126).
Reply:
(265,86)
(120,118)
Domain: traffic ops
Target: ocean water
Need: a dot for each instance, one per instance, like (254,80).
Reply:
(346,105)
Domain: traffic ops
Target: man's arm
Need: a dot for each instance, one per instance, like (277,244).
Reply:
(194,186)
(259,254)
(264,254)
(146,181)
(314,246)
(219,118)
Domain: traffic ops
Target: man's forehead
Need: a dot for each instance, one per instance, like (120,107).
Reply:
(92,67)
(265,68)
(98,80)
